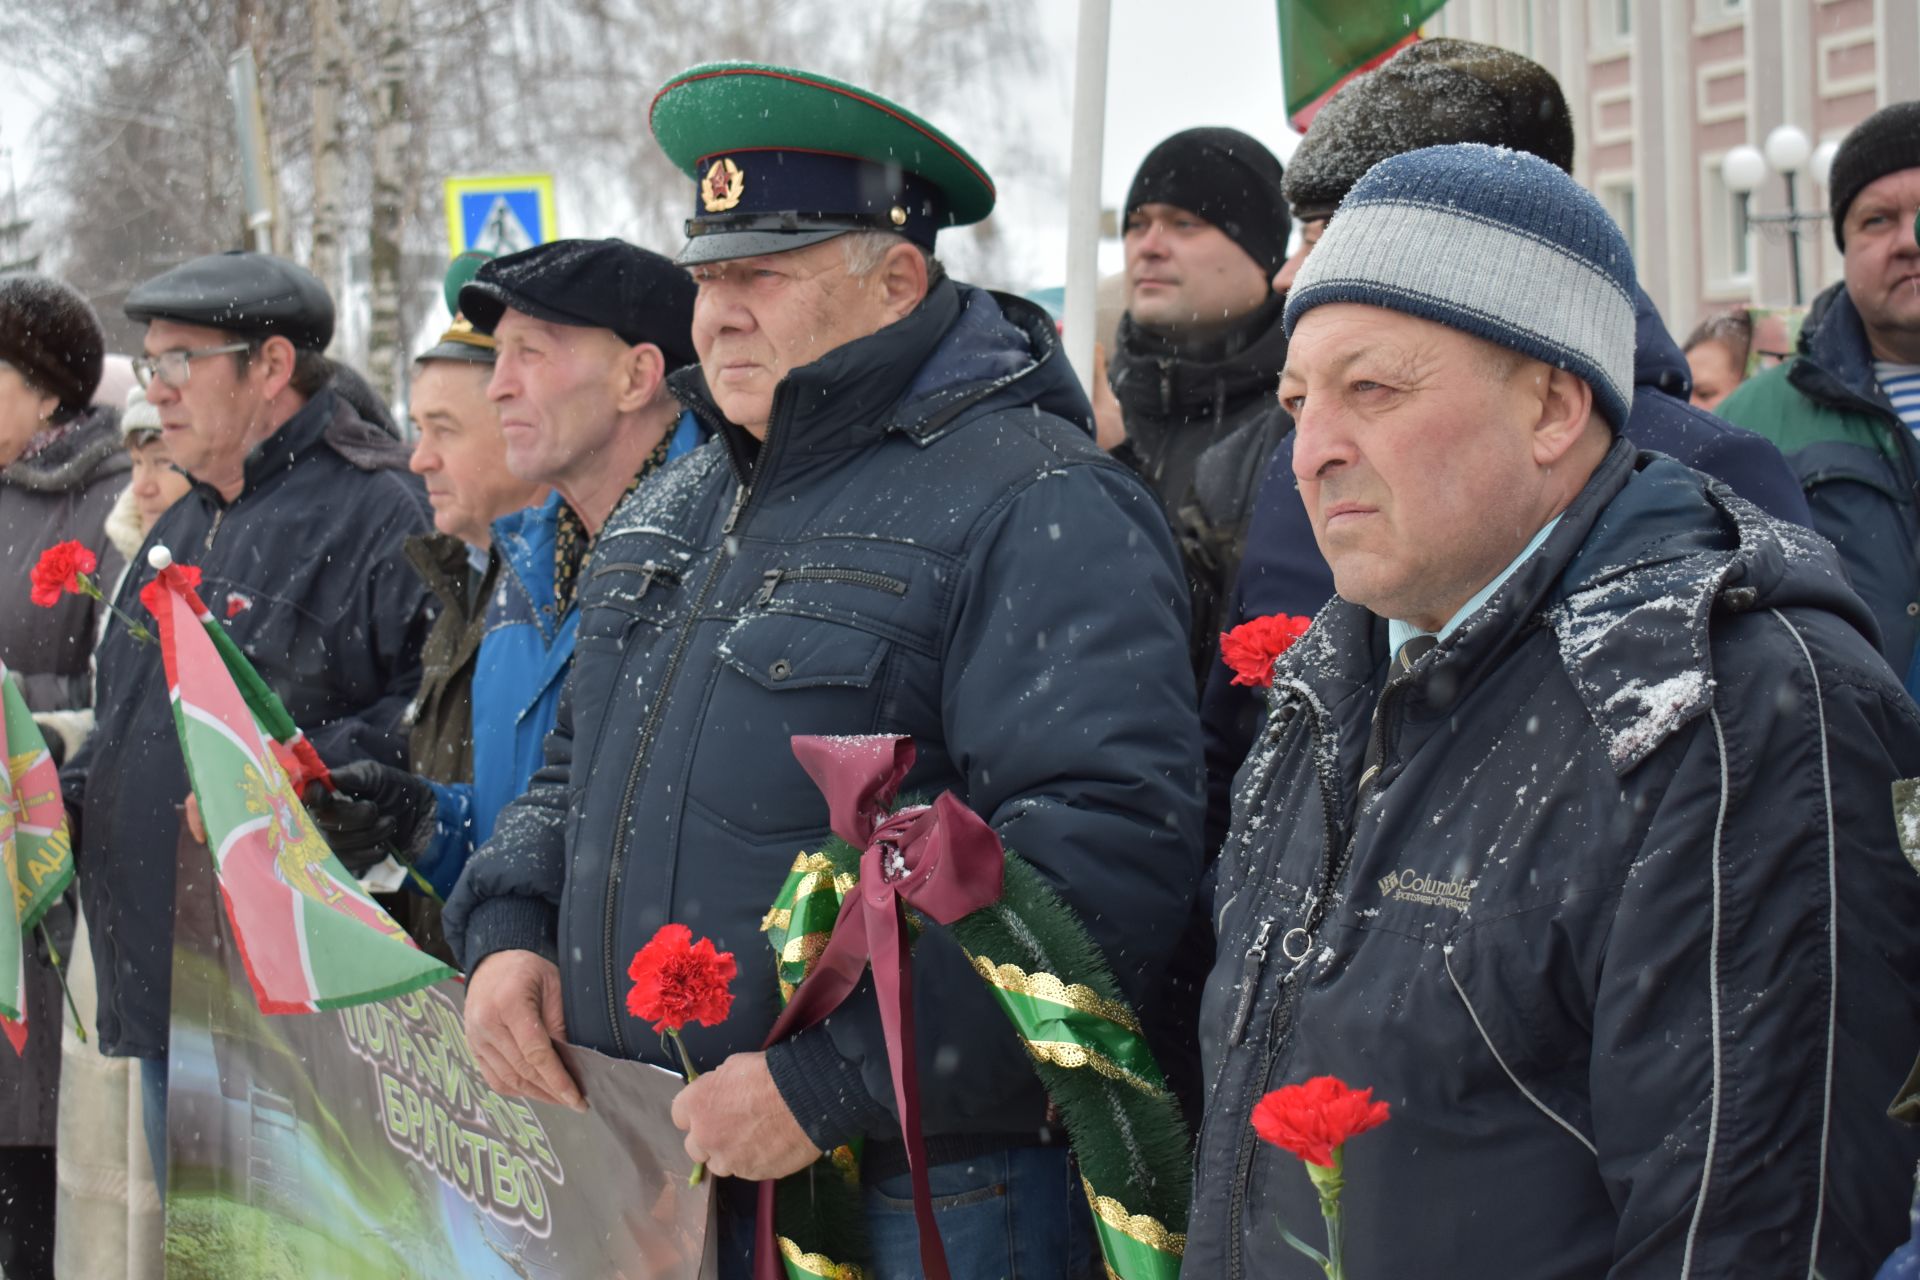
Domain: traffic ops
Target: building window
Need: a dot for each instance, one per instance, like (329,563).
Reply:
(1617,197)
(1724,240)
(1623,18)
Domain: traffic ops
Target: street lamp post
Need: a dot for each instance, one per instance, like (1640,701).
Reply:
(1786,151)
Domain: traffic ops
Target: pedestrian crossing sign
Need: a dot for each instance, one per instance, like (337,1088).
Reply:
(499,213)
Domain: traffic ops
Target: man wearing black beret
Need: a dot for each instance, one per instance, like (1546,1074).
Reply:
(296,519)
(1845,409)
(1200,348)
(581,335)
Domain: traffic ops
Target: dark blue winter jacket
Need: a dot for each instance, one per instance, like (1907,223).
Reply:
(1620,927)
(1284,572)
(928,543)
(307,569)
(522,665)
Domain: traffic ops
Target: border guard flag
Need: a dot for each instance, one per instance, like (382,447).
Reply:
(34,846)
(1325,43)
(310,937)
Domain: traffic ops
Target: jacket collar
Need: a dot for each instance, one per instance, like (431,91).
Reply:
(1627,582)
(1835,367)
(1157,378)
(444,564)
(962,348)
(92,448)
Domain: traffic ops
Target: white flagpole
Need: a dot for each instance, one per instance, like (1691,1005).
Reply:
(1083,183)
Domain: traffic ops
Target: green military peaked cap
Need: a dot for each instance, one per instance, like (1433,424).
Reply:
(786,158)
(461,341)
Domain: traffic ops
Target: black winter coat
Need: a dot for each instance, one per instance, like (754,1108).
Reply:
(1201,423)
(1620,929)
(307,569)
(928,543)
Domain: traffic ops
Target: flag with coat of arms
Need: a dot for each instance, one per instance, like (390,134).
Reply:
(34,846)
(309,935)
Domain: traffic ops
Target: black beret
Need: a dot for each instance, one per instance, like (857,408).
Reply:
(1431,94)
(591,284)
(254,295)
(1885,142)
(50,334)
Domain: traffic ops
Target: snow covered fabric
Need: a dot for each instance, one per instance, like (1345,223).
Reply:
(1431,93)
(1495,243)
(1622,909)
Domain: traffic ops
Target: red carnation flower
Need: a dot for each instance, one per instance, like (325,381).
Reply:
(62,568)
(1251,648)
(677,980)
(1313,1120)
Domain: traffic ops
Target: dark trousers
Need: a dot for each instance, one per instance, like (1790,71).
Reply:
(26,1212)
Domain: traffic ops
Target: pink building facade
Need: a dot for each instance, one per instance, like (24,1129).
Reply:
(1660,90)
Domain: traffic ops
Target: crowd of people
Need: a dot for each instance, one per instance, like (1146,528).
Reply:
(1568,826)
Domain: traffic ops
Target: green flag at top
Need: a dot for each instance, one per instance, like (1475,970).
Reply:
(1325,43)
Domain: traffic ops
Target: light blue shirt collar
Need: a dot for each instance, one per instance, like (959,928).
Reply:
(1398,632)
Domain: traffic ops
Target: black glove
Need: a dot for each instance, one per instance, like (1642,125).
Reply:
(375,811)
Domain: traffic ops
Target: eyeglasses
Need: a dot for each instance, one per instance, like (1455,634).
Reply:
(175,367)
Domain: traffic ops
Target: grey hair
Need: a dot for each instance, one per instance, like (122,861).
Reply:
(865,250)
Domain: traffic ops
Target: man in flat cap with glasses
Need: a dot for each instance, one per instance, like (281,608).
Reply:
(297,518)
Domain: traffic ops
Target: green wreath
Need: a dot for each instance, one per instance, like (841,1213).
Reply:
(1054,985)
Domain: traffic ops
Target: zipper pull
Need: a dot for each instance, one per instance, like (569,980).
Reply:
(1250,980)
(733,514)
(770,582)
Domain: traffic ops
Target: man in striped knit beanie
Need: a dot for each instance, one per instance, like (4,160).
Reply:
(1568,833)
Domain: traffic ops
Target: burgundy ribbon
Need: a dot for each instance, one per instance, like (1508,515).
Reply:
(945,862)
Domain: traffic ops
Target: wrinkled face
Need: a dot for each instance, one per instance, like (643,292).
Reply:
(758,319)
(1883,262)
(1185,273)
(1310,233)
(24,410)
(1413,454)
(207,423)
(461,452)
(1716,372)
(557,388)
(157,483)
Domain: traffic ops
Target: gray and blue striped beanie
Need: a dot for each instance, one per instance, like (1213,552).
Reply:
(1496,243)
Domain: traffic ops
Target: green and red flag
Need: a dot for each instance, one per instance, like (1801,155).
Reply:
(309,935)
(1325,43)
(34,846)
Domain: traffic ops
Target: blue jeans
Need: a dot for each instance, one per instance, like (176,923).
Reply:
(153,1117)
(1012,1215)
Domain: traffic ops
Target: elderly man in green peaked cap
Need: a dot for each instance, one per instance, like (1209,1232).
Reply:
(904,527)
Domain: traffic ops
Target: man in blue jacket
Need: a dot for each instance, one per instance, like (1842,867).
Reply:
(1570,831)
(904,527)
(1435,92)
(585,333)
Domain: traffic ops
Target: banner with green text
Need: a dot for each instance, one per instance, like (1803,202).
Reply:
(363,1141)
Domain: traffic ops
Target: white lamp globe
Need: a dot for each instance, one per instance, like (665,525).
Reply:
(1787,149)
(1744,169)
(1822,162)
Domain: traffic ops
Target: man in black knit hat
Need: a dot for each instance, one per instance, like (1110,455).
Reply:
(1191,404)
(1846,408)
